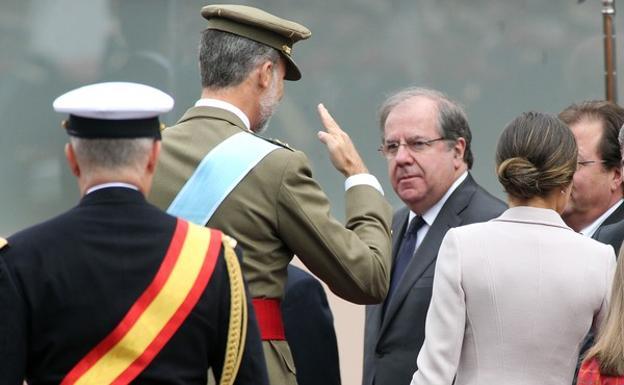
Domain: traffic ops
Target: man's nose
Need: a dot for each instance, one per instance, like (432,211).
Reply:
(404,155)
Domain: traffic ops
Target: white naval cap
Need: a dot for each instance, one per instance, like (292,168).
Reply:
(114,110)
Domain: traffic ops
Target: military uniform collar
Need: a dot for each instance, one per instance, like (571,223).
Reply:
(113,194)
(216,103)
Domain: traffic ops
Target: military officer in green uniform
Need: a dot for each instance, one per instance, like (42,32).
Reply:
(263,193)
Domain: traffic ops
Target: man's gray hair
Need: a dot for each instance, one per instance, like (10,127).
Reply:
(226,59)
(111,154)
(452,120)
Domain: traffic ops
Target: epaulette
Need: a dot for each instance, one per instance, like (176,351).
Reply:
(271,140)
(229,241)
(3,243)
(279,143)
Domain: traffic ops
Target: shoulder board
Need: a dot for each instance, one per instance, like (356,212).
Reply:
(277,142)
(3,243)
(271,140)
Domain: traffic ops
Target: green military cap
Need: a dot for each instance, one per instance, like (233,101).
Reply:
(260,26)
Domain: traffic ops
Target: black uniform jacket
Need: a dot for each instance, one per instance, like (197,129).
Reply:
(66,283)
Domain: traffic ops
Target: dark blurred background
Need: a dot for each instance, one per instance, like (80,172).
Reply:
(498,58)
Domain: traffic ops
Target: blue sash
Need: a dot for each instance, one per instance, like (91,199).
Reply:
(216,176)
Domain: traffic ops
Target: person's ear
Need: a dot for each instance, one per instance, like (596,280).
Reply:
(266,71)
(616,180)
(459,148)
(70,155)
(152,160)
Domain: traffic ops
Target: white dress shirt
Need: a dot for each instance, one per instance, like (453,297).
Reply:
(111,184)
(430,215)
(591,229)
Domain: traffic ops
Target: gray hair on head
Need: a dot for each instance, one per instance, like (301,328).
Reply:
(111,154)
(225,59)
(452,120)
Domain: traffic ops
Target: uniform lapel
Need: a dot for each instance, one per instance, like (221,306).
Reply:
(428,249)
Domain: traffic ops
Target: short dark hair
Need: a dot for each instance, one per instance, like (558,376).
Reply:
(536,153)
(612,118)
(226,59)
(452,120)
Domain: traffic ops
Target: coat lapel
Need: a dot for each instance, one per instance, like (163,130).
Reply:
(374,313)
(428,250)
(399,224)
(615,217)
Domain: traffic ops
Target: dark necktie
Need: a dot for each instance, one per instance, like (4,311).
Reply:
(406,251)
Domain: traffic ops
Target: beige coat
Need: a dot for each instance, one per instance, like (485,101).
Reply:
(279,210)
(512,300)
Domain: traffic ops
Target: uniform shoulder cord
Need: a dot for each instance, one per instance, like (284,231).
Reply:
(237,331)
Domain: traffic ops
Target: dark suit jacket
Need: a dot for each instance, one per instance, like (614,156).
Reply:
(615,217)
(66,283)
(612,234)
(392,340)
(611,231)
(310,330)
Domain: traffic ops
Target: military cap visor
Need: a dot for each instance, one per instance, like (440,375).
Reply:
(259,26)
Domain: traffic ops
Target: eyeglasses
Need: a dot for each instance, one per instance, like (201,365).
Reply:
(583,163)
(391,148)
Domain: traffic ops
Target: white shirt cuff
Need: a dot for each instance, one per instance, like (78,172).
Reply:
(368,179)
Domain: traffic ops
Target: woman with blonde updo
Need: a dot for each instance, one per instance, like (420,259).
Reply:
(514,297)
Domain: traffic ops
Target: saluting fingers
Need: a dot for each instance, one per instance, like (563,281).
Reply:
(328,121)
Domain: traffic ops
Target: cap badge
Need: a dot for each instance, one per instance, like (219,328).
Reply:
(286,49)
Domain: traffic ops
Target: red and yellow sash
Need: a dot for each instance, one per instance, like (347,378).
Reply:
(158,312)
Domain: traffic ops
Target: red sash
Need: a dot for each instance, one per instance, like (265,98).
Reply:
(157,314)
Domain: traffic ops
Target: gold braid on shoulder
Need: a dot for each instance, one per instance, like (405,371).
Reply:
(237,331)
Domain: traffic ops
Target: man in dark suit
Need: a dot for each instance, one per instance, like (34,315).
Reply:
(597,189)
(426,141)
(114,289)
(309,326)
(610,232)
